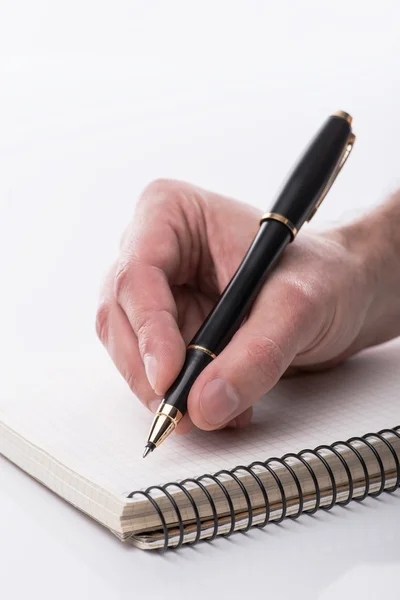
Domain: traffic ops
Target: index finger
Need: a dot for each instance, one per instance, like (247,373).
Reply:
(156,254)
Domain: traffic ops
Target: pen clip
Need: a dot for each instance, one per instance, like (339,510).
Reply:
(344,156)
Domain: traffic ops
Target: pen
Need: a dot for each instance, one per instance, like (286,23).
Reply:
(297,203)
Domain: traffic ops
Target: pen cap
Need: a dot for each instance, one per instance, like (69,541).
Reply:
(310,179)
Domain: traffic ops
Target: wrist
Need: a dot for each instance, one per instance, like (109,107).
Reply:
(374,242)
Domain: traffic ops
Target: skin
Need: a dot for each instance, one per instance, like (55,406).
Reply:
(331,295)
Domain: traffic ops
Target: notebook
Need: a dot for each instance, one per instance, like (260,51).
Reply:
(71,422)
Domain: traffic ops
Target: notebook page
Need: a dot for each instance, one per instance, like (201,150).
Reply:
(80,411)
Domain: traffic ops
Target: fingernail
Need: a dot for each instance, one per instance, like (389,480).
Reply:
(154,405)
(219,401)
(150,366)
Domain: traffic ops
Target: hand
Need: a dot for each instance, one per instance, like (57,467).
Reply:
(177,256)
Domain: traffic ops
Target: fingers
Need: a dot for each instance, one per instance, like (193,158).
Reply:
(116,334)
(144,295)
(165,257)
(284,320)
(159,252)
(151,261)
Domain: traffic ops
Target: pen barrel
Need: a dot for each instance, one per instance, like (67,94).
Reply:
(178,393)
(295,204)
(305,185)
(231,309)
(237,298)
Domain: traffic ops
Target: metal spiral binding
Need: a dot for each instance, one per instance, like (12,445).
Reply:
(198,481)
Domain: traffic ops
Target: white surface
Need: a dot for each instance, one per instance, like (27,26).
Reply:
(66,555)
(97,99)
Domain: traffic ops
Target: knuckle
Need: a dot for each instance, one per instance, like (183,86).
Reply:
(303,297)
(144,327)
(143,330)
(102,321)
(122,280)
(170,194)
(267,359)
(160,190)
(131,381)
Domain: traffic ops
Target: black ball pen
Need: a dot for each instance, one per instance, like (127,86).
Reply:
(297,203)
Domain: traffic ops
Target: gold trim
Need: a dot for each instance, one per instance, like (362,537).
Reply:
(205,350)
(165,421)
(343,115)
(169,411)
(281,219)
(345,155)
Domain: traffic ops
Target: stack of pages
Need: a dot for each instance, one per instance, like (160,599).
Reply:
(72,423)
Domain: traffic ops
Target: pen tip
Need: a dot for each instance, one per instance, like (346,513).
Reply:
(148,448)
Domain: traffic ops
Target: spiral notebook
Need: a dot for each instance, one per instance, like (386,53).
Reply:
(72,423)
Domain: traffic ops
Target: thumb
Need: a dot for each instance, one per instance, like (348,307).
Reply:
(281,324)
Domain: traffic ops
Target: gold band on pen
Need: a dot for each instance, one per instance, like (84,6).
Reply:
(343,115)
(170,412)
(202,349)
(276,217)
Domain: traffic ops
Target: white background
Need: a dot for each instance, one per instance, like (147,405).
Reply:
(97,99)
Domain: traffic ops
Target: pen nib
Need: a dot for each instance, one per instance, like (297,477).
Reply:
(148,448)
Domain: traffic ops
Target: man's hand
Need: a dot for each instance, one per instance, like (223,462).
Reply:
(178,254)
